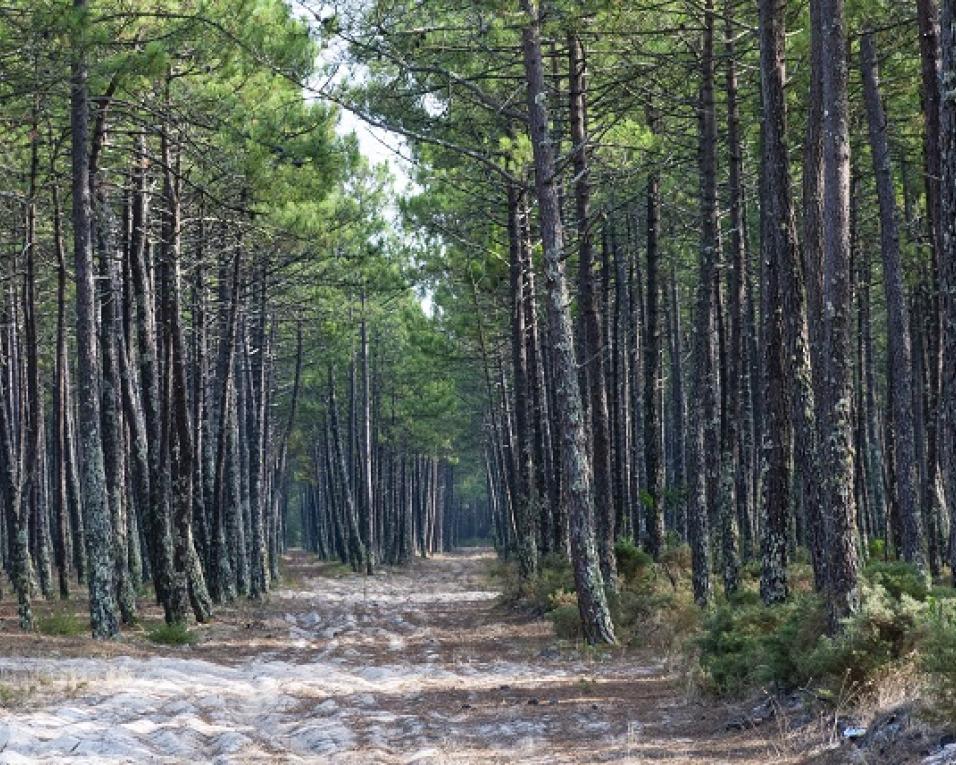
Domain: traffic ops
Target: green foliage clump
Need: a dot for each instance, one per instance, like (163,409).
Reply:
(938,658)
(885,629)
(746,644)
(876,548)
(897,578)
(176,633)
(675,562)
(554,575)
(652,615)
(565,616)
(633,564)
(61,624)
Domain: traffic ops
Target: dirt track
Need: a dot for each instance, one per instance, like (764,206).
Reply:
(412,665)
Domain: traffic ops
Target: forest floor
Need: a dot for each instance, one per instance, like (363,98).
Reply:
(414,665)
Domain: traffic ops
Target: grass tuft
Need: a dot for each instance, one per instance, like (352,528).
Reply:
(61,624)
(176,633)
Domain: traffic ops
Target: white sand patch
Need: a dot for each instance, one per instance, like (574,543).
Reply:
(367,682)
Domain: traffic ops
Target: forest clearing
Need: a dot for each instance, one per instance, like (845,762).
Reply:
(478,381)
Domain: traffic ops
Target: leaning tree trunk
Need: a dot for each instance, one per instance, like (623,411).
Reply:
(577,481)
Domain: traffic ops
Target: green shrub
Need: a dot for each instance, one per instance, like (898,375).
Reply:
(939,658)
(655,616)
(747,645)
(61,624)
(941,592)
(176,633)
(554,574)
(565,616)
(633,563)
(884,630)
(897,578)
(751,570)
(745,597)
(567,622)
(800,555)
(675,562)
(876,549)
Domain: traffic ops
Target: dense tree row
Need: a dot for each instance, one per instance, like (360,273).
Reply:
(703,255)
(182,232)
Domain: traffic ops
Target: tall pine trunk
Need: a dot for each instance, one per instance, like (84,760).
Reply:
(907,479)
(103,620)
(577,484)
(836,408)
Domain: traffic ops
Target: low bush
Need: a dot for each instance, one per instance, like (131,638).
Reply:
(61,624)
(554,574)
(745,644)
(176,633)
(876,549)
(565,616)
(633,564)
(897,578)
(675,562)
(938,659)
(884,630)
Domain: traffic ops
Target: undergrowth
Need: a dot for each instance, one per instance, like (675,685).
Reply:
(745,645)
(61,624)
(174,634)
(739,645)
(651,607)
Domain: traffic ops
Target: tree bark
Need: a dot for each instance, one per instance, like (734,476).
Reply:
(897,318)
(103,620)
(703,382)
(594,347)
(948,257)
(840,518)
(654,514)
(577,481)
(776,220)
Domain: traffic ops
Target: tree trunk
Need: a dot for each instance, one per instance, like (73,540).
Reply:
(776,219)
(897,319)
(948,258)
(525,504)
(594,347)
(103,620)
(840,519)
(652,365)
(577,482)
(703,382)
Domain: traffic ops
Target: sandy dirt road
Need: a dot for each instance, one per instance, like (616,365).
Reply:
(413,665)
